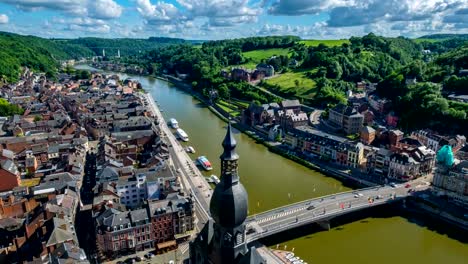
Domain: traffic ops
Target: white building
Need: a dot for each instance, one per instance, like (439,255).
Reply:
(132,190)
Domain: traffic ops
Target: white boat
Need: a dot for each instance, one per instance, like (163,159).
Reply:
(204,162)
(190,149)
(182,135)
(173,123)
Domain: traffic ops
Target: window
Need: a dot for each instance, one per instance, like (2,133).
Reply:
(147,229)
(116,246)
(147,237)
(122,236)
(121,227)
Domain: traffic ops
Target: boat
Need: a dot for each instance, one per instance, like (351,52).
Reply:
(173,123)
(182,135)
(204,162)
(190,149)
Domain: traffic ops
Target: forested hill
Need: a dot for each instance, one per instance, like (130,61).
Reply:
(36,53)
(127,46)
(42,54)
(445,36)
(319,75)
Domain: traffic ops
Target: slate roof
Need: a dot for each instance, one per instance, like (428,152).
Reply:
(9,166)
(290,103)
(68,253)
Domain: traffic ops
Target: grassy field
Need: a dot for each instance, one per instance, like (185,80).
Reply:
(256,56)
(327,42)
(230,108)
(295,81)
(419,40)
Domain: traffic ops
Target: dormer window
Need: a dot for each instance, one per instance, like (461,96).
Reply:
(115,228)
(121,227)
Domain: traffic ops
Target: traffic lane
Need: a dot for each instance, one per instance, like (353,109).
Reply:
(327,206)
(316,214)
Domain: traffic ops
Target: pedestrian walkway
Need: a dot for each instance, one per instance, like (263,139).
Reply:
(175,256)
(273,217)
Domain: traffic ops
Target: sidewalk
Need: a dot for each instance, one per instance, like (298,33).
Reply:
(176,256)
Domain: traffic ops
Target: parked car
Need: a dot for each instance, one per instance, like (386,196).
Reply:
(138,258)
(310,207)
(393,185)
(407,185)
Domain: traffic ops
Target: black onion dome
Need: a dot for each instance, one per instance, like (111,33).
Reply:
(228,204)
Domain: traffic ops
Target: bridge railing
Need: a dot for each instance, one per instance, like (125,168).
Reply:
(278,209)
(315,218)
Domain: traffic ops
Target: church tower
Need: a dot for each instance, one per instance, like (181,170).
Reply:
(228,206)
(222,240)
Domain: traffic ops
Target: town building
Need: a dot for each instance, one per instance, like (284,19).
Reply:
(367,135)
(451,177)
(346,118)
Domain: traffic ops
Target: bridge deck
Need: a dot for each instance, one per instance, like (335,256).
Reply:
(320,209)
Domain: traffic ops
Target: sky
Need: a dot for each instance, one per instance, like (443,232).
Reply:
(222,19)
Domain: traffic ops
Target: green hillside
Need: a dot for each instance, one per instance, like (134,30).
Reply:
(326,42)
(42,54)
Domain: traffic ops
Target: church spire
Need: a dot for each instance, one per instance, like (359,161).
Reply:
(229,157)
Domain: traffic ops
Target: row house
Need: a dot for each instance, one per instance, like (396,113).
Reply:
(157,225)
(401,164)
(331,148)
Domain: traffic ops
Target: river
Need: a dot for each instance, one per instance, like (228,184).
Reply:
(273,181)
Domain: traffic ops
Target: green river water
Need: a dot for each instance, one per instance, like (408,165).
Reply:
(273,181)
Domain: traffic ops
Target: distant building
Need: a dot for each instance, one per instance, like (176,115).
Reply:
(268,69)
(347,118)
(410,81)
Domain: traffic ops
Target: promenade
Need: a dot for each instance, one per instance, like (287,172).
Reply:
(190,177)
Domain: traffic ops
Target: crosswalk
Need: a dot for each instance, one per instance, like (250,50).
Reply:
(280,215)
(184,248)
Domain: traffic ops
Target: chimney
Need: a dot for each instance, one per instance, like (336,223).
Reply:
(11,199)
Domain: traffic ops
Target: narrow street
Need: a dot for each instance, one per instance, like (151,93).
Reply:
(84,219)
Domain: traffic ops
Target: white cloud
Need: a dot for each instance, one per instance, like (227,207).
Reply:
(102,9)
(303,7)
(84,24)
(217,13)
(3,19)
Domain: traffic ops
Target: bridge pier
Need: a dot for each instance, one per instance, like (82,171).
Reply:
(324,224)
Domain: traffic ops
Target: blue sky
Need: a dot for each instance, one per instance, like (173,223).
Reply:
(219,19)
